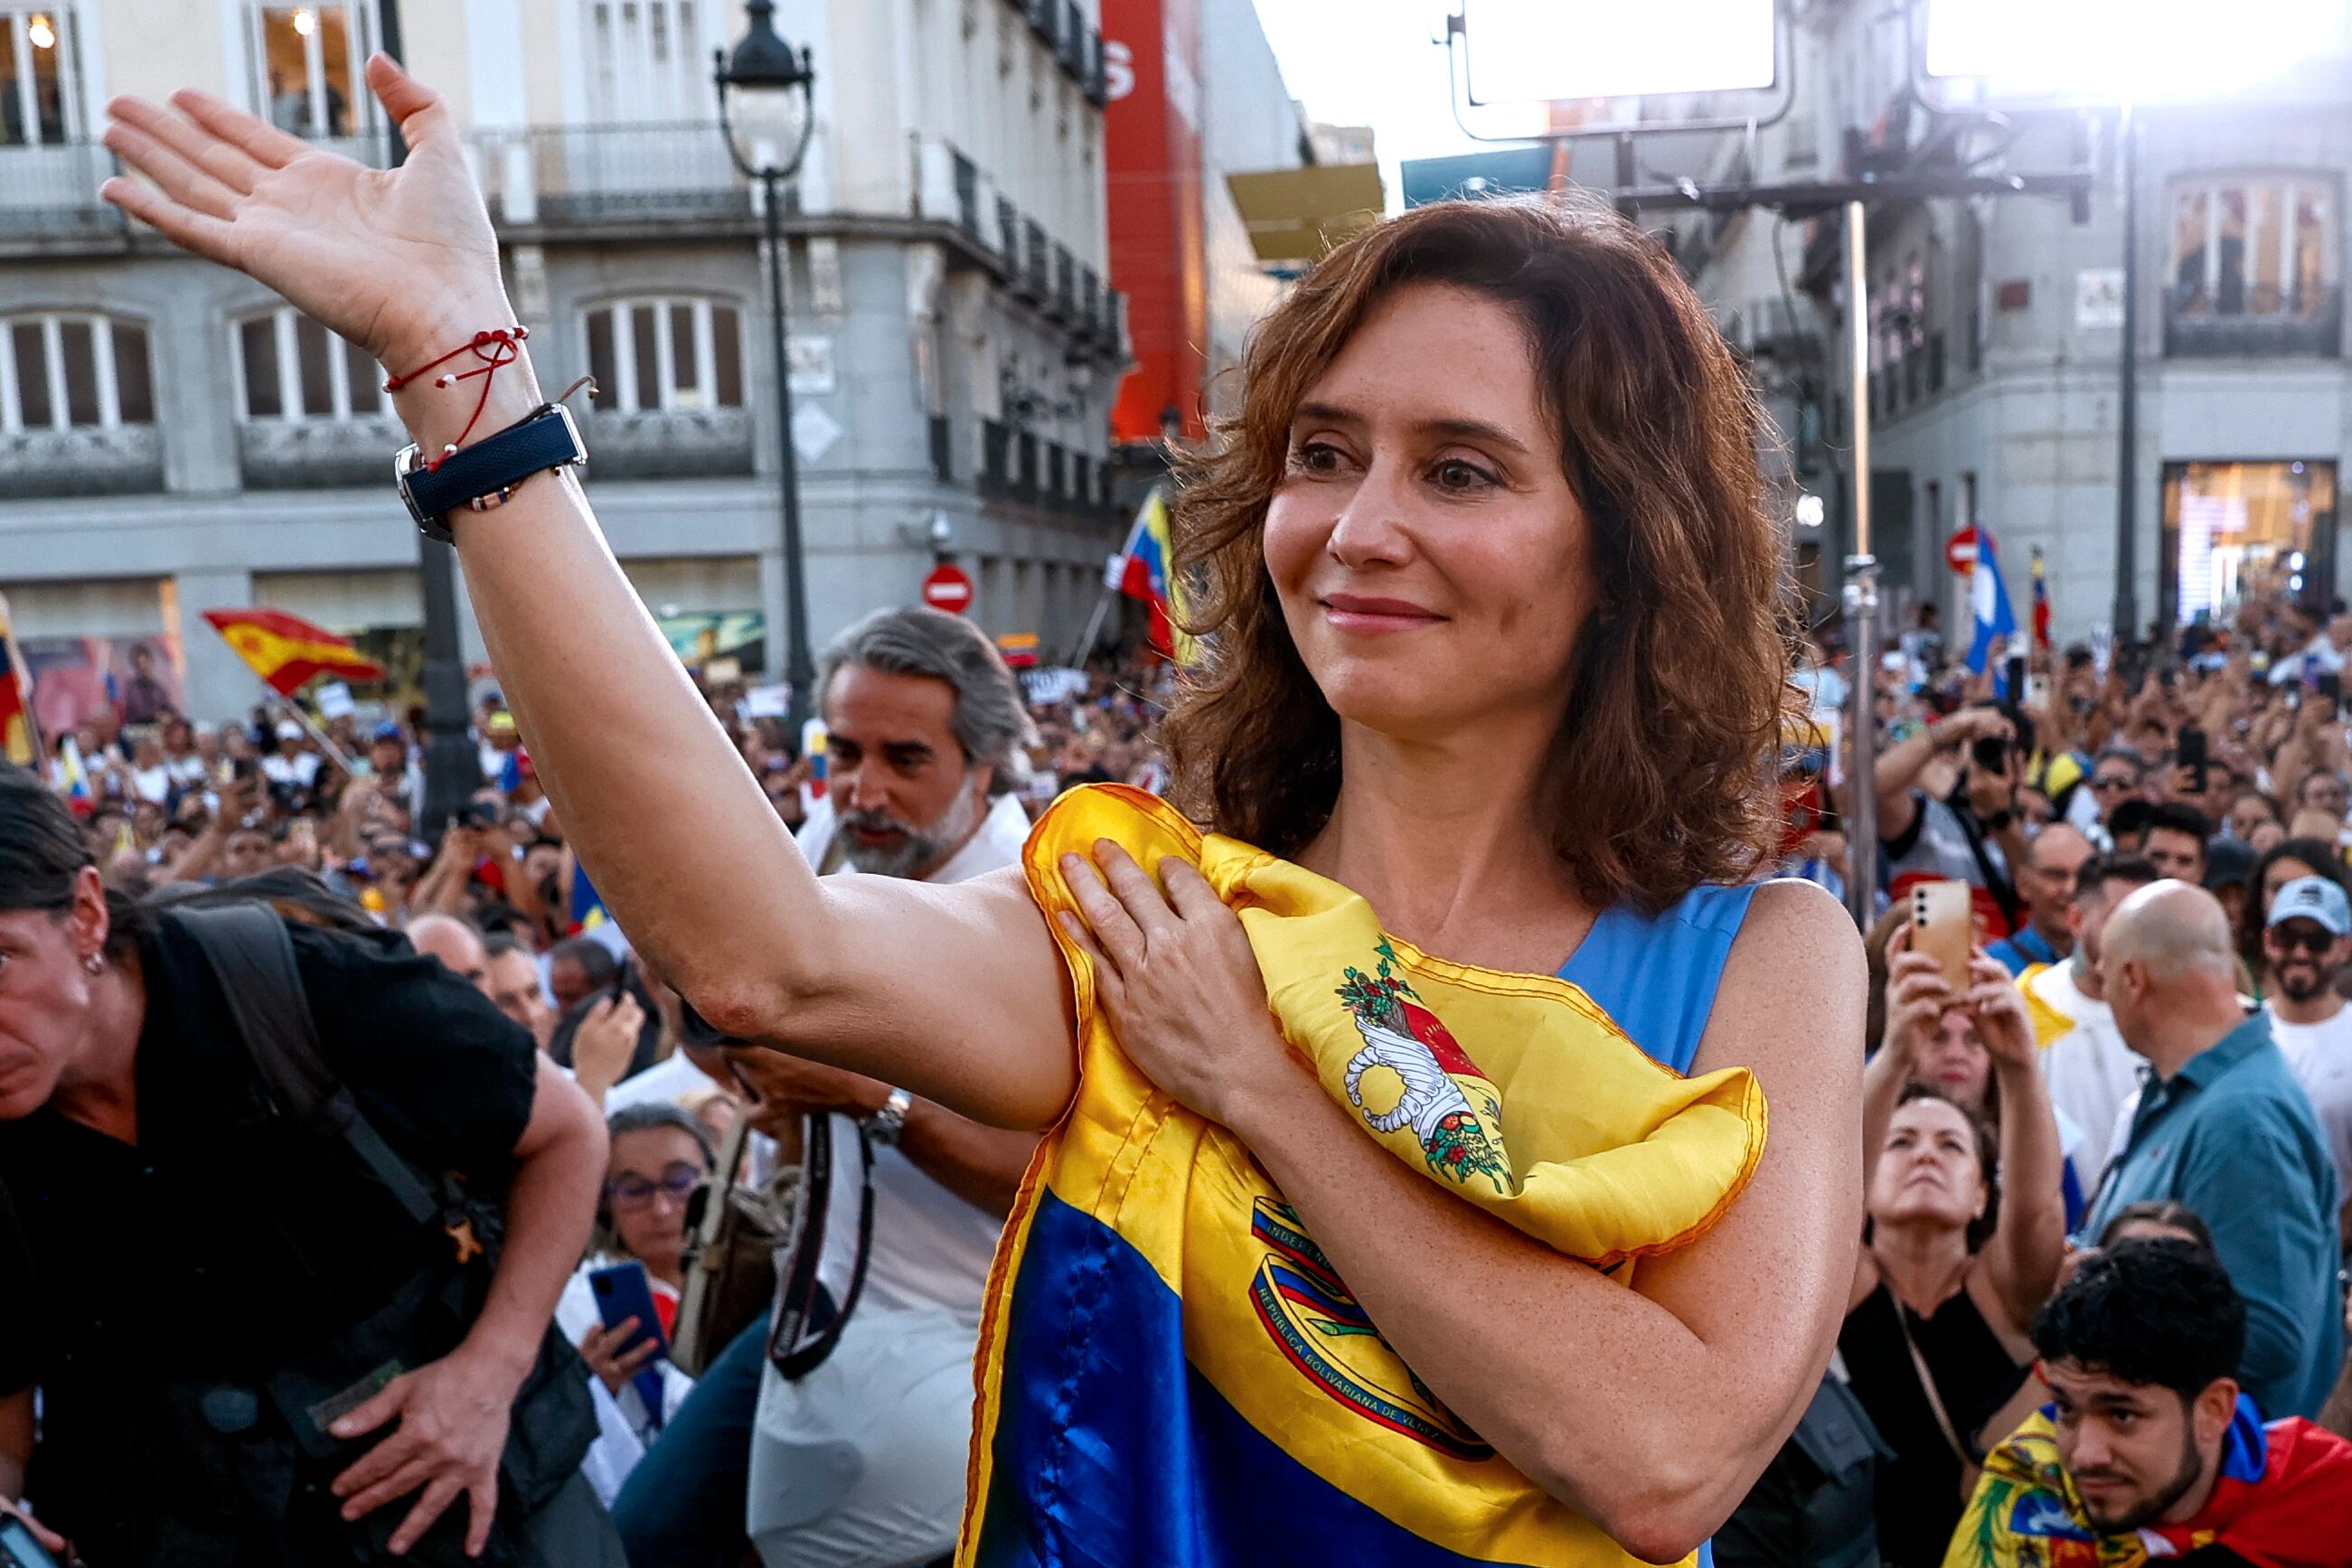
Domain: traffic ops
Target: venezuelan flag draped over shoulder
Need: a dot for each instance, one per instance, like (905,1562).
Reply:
(1172,1373)
(286,651)
(20,739)
(1144,570)
(2282,1500)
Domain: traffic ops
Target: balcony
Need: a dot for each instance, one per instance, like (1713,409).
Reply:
(1097,82)
(676,444)
(1070,48)
(1044,19)
(1033,277)
(1017,465)
(1008,234)
(308,453)
(2254,323)
(598,174)
(1064,303)
(88,460)
(966,195)
(51,193)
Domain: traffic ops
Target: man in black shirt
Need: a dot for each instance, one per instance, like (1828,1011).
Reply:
(194,1252)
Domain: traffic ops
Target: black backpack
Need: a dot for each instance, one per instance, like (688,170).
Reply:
(244,943)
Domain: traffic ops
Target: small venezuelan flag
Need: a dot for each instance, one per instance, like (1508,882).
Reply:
(286,651)
(1144,570)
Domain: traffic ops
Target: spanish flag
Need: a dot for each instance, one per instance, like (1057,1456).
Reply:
(1173,1371)
(286,651)
(20,738)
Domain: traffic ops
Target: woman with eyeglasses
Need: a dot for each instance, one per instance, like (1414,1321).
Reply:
(660,1154)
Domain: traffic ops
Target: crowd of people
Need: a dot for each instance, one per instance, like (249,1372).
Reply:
(2154,1038)
(377,1198)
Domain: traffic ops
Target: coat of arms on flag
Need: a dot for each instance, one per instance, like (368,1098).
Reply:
(1304,1305)
(1460,1137)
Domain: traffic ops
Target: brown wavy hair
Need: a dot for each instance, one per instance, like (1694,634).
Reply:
(1662,774)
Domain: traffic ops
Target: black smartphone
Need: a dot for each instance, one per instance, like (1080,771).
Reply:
(2189,752)
(478,814)
(2331,686)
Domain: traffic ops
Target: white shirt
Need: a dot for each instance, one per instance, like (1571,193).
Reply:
(152,783)
(931,1250)
(2091,1073)
(2320,1057)
(298,769)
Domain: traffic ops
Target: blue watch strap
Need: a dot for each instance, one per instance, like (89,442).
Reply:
(547,439)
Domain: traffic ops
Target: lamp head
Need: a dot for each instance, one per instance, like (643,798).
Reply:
(762,62)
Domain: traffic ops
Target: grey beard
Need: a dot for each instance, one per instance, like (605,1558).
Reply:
(917,850)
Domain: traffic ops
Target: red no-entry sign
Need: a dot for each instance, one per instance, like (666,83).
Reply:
(948,588)
(1960,551)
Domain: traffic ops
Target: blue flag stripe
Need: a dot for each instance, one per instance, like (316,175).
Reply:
(1112,1450)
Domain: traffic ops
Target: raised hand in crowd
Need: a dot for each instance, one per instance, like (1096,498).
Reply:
(605,1042)
(604,1349)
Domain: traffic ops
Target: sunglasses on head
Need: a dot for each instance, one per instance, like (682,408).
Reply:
(2312,939)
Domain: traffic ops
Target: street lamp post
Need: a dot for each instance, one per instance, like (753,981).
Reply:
(765,76)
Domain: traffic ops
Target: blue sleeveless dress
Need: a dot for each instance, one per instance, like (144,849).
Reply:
(1657,977)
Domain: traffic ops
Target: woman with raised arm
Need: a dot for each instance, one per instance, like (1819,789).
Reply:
(1339,1251)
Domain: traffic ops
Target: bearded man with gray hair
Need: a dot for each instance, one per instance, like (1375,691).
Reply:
(926,739)
(2222,1126)
(859,1451)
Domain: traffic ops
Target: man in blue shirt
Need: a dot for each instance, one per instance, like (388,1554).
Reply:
(2223,1127)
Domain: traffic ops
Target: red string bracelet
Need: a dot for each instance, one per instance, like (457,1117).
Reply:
(494,346)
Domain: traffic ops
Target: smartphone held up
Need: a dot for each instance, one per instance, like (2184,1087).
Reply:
(1942,929)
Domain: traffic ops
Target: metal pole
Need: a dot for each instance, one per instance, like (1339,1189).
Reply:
(1094,626)
(453,769)
(799,669)
(1860,596)
(302,716)
(2127,402)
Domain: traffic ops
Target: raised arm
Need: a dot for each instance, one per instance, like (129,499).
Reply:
(955,993)
(2029,1239)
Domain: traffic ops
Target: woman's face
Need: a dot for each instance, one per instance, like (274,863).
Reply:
(1431,561)
(1953,1060)
(1928,1170)
(642,1184)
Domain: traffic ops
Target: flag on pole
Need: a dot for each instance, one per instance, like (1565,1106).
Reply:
(20,733)
(286,650)
(72,778)
(1996,621)
(1141,570)
(2041,602)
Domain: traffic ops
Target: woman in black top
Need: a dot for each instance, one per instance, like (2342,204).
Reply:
(1934,1338)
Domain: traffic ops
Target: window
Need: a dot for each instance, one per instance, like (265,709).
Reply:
(38,105)
(2252,246)
(60,369)
(293,368)
(307,68)
(665,355)
(646,62)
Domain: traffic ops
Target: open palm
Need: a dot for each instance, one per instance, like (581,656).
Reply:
(393,260)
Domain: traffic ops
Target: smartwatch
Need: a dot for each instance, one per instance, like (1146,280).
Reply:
(883,1127)
(487,473)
